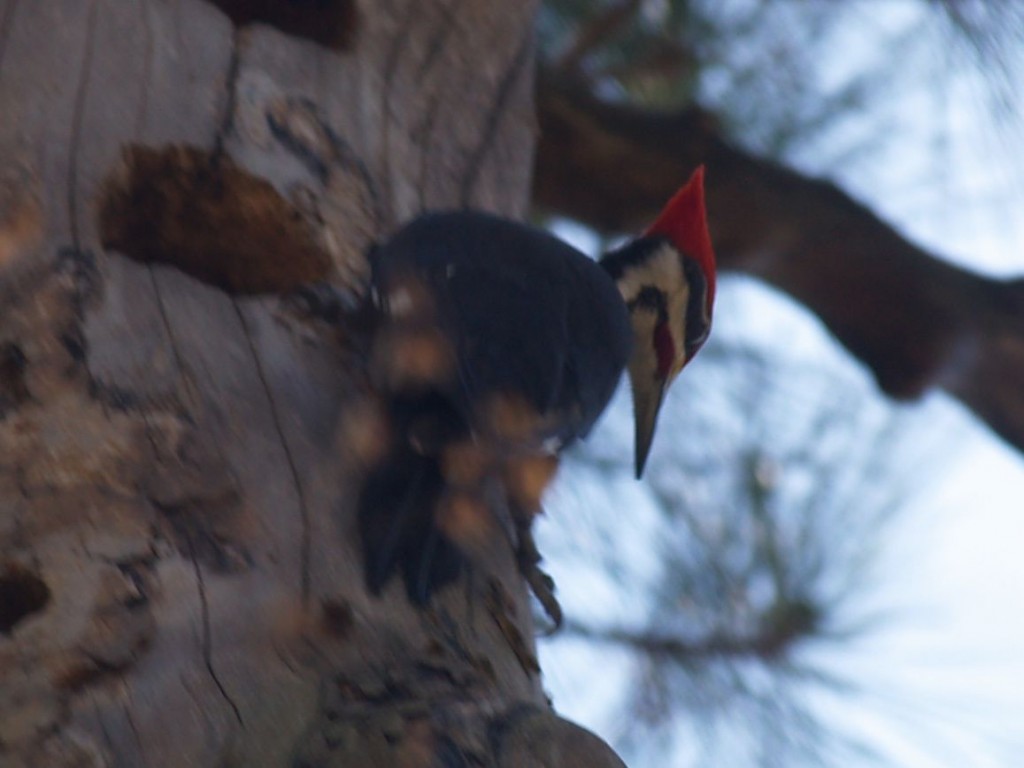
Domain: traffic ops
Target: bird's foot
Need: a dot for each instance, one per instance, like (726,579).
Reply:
(540,583)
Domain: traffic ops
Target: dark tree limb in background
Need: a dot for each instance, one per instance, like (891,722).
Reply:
(914,320)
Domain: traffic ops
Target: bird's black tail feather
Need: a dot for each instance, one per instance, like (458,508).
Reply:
(398,504)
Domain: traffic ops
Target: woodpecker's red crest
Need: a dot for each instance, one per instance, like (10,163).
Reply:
(684,221)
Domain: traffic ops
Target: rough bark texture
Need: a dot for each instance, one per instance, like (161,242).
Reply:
(914,320)
(179,581)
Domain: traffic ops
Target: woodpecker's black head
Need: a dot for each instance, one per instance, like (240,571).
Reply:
(667,279)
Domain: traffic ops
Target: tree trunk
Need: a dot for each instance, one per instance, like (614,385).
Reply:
(180,583)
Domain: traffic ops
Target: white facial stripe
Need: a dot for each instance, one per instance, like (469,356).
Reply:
(663,269)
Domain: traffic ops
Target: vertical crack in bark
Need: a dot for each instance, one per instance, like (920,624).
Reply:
(175,350)
(147,67)
(97,712)
(76,122)
(129,707)
(490,127)
(305,542)
(6,23)
(227,122)
(409,17)
(165,320)
(206,642)
(436,44)
(442,31)
(428,129)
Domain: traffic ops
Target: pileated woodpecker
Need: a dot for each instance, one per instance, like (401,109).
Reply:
(496,346)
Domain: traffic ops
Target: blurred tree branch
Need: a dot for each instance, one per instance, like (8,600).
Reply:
(914,320)
(597,32)
(785,624)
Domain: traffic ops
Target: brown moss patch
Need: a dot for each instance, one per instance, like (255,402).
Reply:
(210,219)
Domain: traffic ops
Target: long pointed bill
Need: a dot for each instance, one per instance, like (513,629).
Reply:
(646,404)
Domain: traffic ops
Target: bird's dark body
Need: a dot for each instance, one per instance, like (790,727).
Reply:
(526,313)
(526,316)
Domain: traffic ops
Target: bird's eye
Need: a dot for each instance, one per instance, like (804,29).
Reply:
(649,298)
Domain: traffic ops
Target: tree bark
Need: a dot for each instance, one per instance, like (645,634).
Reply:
(180,582)
(914,320)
